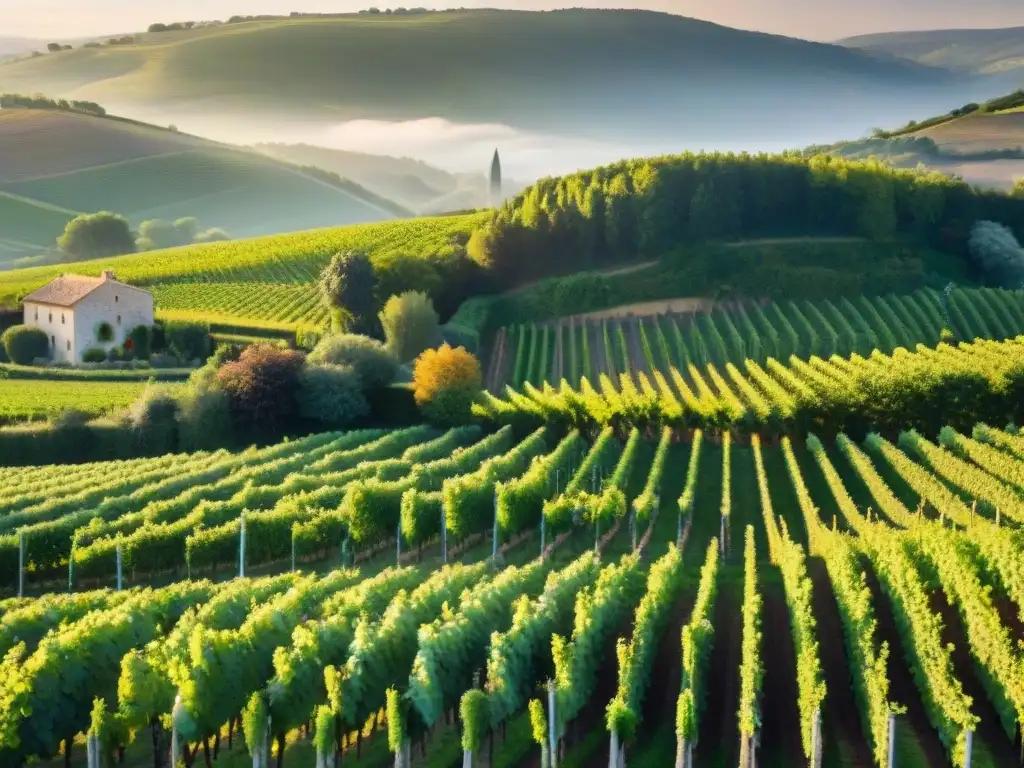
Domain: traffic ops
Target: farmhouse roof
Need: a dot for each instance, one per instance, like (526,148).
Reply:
(68,290)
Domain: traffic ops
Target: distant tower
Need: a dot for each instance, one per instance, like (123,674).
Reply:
(496,195)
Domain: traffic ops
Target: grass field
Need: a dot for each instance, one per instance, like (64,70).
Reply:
(65,164)
(979,132)
(269,280)
(39,399)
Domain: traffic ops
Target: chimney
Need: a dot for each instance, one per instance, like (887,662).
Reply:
(107,274)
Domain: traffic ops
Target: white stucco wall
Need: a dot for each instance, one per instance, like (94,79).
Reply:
(120,305)
(59,325)
(72,330)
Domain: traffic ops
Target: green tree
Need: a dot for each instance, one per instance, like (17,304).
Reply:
(410,325)
(97,236)
(349,289)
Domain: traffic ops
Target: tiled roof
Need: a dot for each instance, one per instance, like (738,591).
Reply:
(65,291)
(68,290)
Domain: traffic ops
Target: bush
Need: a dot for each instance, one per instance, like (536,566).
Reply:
(155,406)
(23,344)
(332,394)
(188,341)
(204,413)
(261,385)
(139,341)
(446,381)
(370,359)
(410,325)
(96,236)
(94,355)
(115,354)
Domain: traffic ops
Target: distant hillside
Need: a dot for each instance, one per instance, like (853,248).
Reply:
(633,75)
(983,143)
(412,183)
(974,51)
(58,164)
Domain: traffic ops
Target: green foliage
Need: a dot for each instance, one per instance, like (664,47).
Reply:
(254,723)
(697,640)
(751,665)
(187,340)
(139,341)
(96,236)
(375,365)
(332,394)
(23,344)
(348,286)
(521,499)
(636,657)
(475,716)
(410,325)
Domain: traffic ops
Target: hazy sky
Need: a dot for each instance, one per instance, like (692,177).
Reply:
(812,19)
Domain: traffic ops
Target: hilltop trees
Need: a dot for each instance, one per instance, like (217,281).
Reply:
(96,236)
(647,208)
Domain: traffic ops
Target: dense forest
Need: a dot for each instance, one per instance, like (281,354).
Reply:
(641,209)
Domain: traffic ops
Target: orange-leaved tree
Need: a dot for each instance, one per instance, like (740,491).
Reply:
(446,381)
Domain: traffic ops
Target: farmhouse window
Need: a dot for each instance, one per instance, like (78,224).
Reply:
(118,319)
(51,317)
(69,346)
(53,342)
(62,318)
(116,299)
(37,315)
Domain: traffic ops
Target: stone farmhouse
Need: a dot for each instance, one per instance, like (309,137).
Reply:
(79,313)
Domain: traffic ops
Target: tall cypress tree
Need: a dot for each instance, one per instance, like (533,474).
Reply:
(496,179)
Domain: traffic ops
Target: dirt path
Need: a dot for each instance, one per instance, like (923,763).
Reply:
(780,716)
(496,374)
(635,347)
(718,740)
(844,740)
(917,743)
(558,366)
(595,340)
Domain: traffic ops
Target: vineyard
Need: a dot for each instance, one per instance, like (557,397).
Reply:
(268,281)
(572,348)
(412,597)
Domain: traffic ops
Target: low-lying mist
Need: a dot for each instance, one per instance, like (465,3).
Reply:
(467,147)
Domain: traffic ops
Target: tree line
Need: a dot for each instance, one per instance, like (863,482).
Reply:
(38,101)
(639,209)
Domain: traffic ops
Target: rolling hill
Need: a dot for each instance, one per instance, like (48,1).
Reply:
(58,164)
(266,283)
(998,52)
(415,184)
(627,75)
